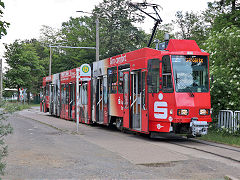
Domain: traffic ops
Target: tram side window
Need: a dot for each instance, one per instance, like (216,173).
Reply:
(105,95)
(112,75)
(120,77)
(73,94)
(62,94)
(67,94)
(47,89)
(84,94)
(167,85)
(153,76)
(52,92)
(44,92)
(120,82)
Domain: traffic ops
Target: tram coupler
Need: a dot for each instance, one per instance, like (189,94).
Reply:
(198,128)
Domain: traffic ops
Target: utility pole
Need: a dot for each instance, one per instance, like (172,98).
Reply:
(50,61)
(1,83)
(97,34)
(97,39)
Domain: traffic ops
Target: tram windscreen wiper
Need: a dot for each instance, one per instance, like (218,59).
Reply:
(190,90)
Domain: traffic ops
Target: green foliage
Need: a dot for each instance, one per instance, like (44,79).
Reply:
(117,35)
(3,24)
(223,13)
(25,67)
(117,32)
(192,26)
(222,136)
(225,68)
(77,32)
(5,129)
(13,107)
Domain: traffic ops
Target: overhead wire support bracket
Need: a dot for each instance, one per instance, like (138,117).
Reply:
(157,18)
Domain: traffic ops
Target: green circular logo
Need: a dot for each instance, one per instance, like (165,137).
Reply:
(85,69)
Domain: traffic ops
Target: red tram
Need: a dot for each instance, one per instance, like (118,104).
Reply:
(148,91)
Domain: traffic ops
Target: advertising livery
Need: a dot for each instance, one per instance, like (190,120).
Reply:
(148,91)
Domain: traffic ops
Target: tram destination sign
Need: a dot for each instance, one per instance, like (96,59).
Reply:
(85,72)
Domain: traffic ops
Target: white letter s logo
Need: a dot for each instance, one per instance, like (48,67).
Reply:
(159,111)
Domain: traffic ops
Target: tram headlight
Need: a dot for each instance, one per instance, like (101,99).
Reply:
(182,112)
(204,112)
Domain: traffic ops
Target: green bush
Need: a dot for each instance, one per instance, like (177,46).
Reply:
(224,52)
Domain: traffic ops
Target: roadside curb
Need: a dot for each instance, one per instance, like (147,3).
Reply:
(227,177)
(52,126)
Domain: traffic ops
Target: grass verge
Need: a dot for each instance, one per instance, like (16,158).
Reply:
(12,107)
(222,136)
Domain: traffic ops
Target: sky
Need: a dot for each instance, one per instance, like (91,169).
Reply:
(27,16)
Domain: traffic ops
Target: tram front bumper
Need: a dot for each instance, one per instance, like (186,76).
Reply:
(198,128)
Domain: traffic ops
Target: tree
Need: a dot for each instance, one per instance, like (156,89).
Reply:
(192,26)
(3,24)
(24,69)
(78,32)
(117,35)
(117,32)
(225,68)
(222,14)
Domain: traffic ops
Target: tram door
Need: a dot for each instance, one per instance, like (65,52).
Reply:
(126,99)
(71,112)
(58,100)
(100,99)
(105,100)
(67,102)
(51,99)
(55,98)
(83,96)
(63,100)
(135,108)
(144,103)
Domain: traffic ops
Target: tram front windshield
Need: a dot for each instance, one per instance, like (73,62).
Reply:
(190,73)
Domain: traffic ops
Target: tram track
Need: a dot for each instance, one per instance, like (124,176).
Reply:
(220,150)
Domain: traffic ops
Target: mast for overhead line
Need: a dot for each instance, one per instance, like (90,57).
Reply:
(156,17)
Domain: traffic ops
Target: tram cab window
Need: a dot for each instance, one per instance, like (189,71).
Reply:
(153,76)
(167,85)
(112,76)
